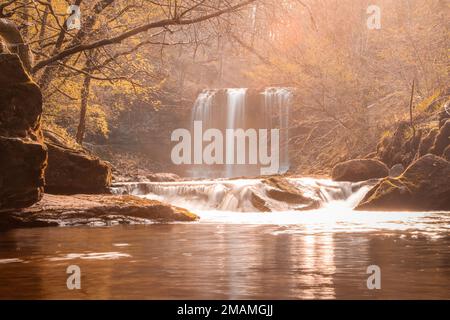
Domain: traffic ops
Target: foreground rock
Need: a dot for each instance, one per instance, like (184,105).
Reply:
(359,170)
(22,153)
(425,185)
(72,171)
(282,191)
(83,209)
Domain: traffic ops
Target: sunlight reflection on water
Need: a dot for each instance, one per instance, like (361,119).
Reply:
(337,220)
(321,253)
(223,261)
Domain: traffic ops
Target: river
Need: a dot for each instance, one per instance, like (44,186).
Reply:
(322,253)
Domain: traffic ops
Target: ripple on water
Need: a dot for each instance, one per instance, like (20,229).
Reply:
(13,260)
(91,256)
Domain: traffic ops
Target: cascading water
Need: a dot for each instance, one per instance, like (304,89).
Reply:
(281,99)
(235,120)
(202,107)
(242,108)
(237,195)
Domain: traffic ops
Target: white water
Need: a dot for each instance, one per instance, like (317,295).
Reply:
(229,202)
(232,108)
(202,109)
(235,120)
(235,195)
(280,98)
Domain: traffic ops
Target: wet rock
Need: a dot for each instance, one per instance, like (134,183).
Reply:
(163,177)
(396,170)
(423,186)
(72,171)
(259,202)
(22,152)
(82,209)
(283,190)
(359,170)
(283,195)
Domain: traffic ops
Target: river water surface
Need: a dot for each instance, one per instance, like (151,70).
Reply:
(320,253)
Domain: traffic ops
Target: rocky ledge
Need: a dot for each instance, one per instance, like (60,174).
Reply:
(23,156)
(424,186)
(83,209)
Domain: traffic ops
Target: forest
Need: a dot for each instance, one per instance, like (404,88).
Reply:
(133,66)
(324,115)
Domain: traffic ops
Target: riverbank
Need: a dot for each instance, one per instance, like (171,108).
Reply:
(93,210)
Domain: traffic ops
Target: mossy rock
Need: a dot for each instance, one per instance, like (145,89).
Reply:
(442,139)
(359,170)
(424,186)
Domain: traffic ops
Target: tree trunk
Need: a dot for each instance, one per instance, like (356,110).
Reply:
(83,109)
(53,70)
(411,119)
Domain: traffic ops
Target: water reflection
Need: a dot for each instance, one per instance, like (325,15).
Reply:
(204,261)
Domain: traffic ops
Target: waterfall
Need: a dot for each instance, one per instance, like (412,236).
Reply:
(203,111)
(242,108)
(202,107)
(279,100)
(235,120)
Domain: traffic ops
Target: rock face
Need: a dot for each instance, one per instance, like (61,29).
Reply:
(444,115)
(359,170)
(442,139)
(72,171)
(396,170)
(446,154)
(404,146)
(427,142)
(60,210)
(423,186)
(22,152)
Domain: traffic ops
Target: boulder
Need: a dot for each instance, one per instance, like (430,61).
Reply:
(400,146)
(72,171)
(442,139)
(83,209)
(423,186)
(446,154)
(22,152)
(359,170)
(283,192)
(259,202)
(427,142)
(396,170)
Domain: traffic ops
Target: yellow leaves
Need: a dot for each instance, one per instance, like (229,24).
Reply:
(424,104)
(96,120)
